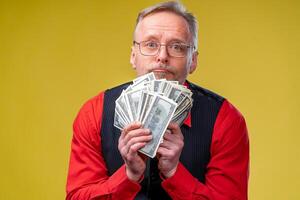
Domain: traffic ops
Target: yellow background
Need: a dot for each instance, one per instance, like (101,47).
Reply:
(54,55)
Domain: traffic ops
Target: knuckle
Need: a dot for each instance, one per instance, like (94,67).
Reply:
(173,153)
(132,149)
(129,159)
(131,134)
(133,141)
(123,152)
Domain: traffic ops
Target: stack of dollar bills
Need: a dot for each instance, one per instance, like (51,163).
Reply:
(154,103)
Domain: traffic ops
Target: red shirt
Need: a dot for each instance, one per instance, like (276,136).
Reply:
(227,171)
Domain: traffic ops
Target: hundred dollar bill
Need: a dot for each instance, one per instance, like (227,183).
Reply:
(185,104)
(186,91)
(121,114)
(145,78)
(174,92)
(132,99)
(179,119)
(156,85)
(157,120)
(151,75)
(123,107)
(118,122)
(147,105)
(180,98)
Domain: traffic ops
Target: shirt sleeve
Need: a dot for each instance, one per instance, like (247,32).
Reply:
(228,169)
(87,176)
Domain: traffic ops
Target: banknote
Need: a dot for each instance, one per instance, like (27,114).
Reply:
(179,119)
(118,122)
(122,106)
(122,116)
(146,106)
(140,81)
(149,76)
(184,105)
(174,92)
(157,120)
(132,99)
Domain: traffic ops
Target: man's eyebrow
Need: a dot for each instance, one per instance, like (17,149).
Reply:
(174,40)
(177,41)
(150,37)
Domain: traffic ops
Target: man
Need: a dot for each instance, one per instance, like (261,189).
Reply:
(206,158)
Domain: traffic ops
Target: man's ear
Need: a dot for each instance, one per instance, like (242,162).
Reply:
(194,62)
(132,57)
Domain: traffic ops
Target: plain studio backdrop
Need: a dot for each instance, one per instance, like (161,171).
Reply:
(54,55)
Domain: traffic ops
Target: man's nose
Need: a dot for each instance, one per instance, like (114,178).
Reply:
(163,55)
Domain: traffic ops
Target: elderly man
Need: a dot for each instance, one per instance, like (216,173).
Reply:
(205,158)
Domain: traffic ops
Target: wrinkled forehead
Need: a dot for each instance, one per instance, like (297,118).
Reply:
(163,21)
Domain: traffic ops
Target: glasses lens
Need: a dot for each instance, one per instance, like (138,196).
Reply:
(177,49)
(149,48)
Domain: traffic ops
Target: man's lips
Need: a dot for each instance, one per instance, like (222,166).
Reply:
(161,73)
(160,70)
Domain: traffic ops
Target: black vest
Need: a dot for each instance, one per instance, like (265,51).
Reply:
(197,139)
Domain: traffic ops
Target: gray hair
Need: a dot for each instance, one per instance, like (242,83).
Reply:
(177,8)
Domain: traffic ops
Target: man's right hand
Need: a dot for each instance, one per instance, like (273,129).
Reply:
(133,138)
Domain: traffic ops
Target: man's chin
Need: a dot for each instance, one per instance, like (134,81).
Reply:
(163,75)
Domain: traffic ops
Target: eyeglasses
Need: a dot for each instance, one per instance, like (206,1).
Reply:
(151,48)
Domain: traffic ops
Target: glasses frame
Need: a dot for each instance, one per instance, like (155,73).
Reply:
(160,44)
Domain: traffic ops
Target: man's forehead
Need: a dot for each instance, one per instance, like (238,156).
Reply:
(164,21)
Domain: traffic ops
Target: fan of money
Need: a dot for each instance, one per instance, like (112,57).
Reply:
(154,103)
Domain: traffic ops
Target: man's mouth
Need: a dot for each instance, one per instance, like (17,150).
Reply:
(160,70)
(160,73)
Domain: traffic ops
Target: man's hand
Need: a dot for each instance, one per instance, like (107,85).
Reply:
(133,138)
(169,151)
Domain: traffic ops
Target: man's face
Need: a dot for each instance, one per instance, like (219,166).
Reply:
(165,28)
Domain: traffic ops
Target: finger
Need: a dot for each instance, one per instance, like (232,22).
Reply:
(167,144)
(175,129)
(123,151)
(131,126)
(133,149)
(171,137)
(134,136)
(136,133)
(172,142)
(168,136)
(168,131)
(139,139)
(173,126)
(126,145)
(172,145)
(163,152)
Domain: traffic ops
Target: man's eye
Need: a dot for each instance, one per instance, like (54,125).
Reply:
(151,45)
(177,47)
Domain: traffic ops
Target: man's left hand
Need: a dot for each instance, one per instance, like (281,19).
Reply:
(169,151)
